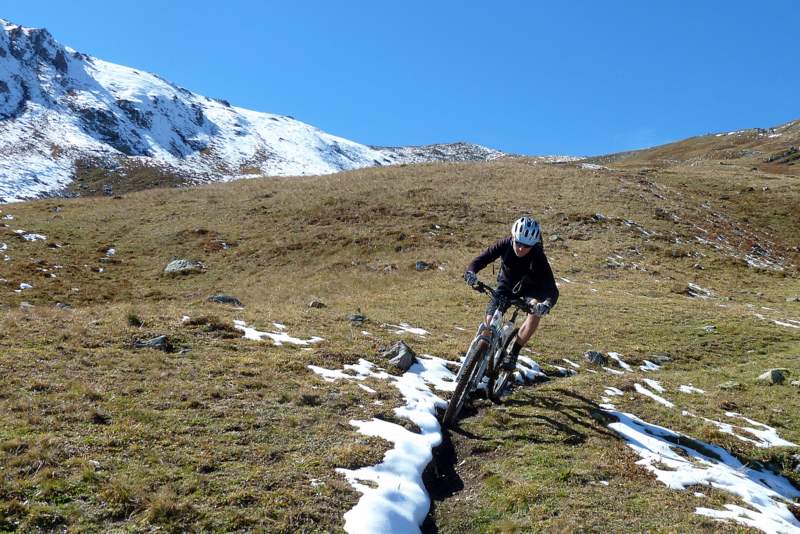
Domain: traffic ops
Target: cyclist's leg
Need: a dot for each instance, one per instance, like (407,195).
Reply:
(527,329)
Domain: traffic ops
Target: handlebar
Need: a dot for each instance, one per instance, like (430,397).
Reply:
(480,287)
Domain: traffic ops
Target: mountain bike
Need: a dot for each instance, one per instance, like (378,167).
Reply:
(485,357)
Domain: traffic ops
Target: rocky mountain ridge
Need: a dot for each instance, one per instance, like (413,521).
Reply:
(65,114)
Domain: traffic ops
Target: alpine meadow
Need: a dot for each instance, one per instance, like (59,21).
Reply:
(183,350)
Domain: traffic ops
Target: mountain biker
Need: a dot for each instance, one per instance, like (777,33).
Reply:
(524,273)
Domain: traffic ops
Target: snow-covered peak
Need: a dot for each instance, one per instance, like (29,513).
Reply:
(59,108)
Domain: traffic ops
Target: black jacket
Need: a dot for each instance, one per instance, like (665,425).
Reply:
(533,269)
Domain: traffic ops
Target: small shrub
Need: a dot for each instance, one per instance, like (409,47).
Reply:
(134,320)
(121,498)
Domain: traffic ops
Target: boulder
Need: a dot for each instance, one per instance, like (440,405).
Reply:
(794,298)
(317,304)
(774,377)
(357,317)
(400,355)
(597,358)
(225,299)
(795,383)
(157,343)
(661,358)
(423,266)
(183,267)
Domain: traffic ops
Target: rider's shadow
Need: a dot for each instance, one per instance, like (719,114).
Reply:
(571,421)
(441,479)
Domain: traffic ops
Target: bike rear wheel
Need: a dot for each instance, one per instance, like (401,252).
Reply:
(465,378)
(498,384)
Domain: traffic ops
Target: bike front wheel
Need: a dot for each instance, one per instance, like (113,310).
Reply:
(498,384)
(476,354)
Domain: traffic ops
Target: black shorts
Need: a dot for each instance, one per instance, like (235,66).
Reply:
(503,295)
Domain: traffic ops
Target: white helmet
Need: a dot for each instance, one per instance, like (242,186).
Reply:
(526,231)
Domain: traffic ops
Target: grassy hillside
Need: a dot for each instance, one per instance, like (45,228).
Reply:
(96,435)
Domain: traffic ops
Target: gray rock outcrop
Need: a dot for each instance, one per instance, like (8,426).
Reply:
(774,377)
(400,355)
(225,299)
(595,357)
(177,267)
(158,343)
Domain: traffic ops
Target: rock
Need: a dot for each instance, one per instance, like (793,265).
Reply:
(774,377)
(697,266)
(730,384)
(157,343)
(400,355)
(24,305)
(665,215)
(695,291)
(183,267)
(63,306)
(599,217)
(317,304)
(660,358)
(794,298)
(225,299)
(795,383)
(709,329)
(357,317)
(597,358)
(555,237)
(423,266)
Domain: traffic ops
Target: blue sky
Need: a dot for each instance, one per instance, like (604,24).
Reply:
(529,77)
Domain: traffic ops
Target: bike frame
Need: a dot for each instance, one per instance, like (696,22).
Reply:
(483,357)
(496,335)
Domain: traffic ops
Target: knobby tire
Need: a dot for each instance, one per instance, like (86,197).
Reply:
(497,385)
(470,365)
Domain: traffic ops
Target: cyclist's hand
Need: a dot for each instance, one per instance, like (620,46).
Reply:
(541,309)
(470,278)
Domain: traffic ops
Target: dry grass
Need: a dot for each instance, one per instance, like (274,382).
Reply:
(227,436)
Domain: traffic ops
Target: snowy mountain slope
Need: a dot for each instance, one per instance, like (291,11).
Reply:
(440,152)
(59,107)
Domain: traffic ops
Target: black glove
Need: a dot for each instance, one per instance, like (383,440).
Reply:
(470,278)
(540,309)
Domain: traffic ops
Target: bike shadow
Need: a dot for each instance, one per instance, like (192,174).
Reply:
(441,479)
(569,417)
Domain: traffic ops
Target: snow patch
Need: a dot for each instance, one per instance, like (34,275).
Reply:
(647,393)
(528,370)
(31,236)
(690,389)
(617,357)
(649,366)
(679,462)
(394,498)
(404,328)
(654,385)
(278,338)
